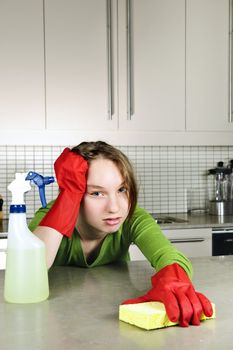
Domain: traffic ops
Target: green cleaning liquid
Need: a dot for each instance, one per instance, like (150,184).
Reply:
(26,277)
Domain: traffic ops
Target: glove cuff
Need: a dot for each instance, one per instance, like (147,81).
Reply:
(173,271)
(64,213)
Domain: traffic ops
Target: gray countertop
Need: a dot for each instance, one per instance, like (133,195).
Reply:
(82,311)
(188,221)
(197,220)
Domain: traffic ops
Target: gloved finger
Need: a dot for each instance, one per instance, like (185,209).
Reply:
(172,306)
(206,304)
(186,310)
(69,161)
(62,157)
(196,305)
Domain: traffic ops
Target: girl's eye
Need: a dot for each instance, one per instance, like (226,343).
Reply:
(122,189)
(96,194)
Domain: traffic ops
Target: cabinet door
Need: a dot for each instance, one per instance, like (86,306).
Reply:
(135,253)
(207,65)
(152,65)
(22,103)
(79,64)
(191,242)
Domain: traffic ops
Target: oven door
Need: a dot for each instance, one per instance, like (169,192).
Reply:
(222,241)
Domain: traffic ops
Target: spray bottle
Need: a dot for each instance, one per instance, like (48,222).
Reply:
(26,276)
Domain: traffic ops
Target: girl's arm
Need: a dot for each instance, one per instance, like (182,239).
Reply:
(52,239)
(59,219)
(158,250)
(171,284)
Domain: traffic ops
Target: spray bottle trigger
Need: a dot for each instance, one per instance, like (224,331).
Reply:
(40,181)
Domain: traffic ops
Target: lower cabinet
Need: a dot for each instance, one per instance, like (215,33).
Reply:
(135,253)
(195,242)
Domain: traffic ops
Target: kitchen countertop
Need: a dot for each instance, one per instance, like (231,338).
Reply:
(185,221)
(196,220)
(188,221)
(82,310)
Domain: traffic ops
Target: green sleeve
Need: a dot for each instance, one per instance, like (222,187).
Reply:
(158,250)
(39,216)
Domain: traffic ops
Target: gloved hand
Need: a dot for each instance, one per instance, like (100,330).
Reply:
(70,170)
(172,286)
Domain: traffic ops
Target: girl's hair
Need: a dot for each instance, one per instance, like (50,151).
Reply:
(100,149)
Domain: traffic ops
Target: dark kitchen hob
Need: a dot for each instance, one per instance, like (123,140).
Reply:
(162,220)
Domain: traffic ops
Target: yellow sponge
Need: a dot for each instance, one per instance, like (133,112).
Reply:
(149,315)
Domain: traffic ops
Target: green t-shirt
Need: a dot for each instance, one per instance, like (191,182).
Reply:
(141,230)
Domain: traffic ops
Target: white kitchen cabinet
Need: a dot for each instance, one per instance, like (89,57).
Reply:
(207,66)
(80,50)
(193,242)
(81,79)
(66,77)
(135,253)
(22,96)
(152,65)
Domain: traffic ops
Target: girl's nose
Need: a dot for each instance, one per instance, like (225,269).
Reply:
(112,204)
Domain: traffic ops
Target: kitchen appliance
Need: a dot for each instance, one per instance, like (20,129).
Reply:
(220,190)
(222,241)
(1,212)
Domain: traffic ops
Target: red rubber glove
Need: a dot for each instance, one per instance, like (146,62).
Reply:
(70,169)
(183,304)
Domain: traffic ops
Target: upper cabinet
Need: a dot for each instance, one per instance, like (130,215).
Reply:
(22,93)
(128,71)
(80,60)
(82,64)
(208,66)
(152,65)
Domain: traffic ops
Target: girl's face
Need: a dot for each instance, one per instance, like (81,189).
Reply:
(105,205)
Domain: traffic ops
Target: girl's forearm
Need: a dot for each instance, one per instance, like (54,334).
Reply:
(52,240)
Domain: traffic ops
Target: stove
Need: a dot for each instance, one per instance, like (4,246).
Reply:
(164,220)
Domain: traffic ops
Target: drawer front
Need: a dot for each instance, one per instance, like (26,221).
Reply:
(191,242)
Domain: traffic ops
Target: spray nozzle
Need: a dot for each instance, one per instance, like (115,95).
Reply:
(40,181)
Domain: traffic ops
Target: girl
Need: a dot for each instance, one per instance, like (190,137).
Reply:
(95,218)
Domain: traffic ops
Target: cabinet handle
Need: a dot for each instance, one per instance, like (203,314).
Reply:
(109,48)
(230,60)
(129,61)
(189,240)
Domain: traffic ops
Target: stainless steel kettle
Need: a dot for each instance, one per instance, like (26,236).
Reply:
(220,190)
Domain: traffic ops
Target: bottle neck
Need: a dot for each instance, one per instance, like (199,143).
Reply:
(17,208)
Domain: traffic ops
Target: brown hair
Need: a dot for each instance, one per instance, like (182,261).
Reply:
(101,149)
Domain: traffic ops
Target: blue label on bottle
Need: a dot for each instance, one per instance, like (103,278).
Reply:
(17,208)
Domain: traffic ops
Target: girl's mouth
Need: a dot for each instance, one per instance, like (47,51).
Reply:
(112,221)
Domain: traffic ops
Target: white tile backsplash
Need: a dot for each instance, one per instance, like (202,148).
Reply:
(171,179)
